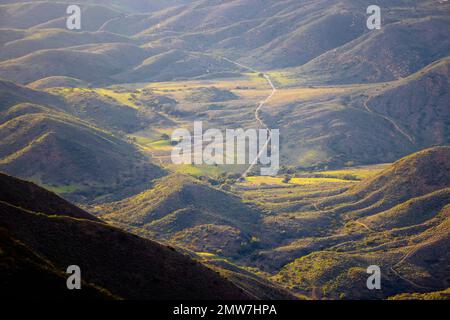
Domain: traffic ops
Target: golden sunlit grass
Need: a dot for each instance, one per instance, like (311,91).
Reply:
(203,170)
(195,171)
(66,91)
(143,141)
(160,145)
(285,96)
(125,98)
(342,177)
(281,78)
(249,80)
(70,188)
(358,172)
(278,181)
(253,94)
(206,254)
(62,189)
(152,144)
(311,156)
(307,181)
(258,180)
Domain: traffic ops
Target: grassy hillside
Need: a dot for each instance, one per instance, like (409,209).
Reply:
(396,219)
(410,177)
(69,155)
(57,81)
(370,124)
(191,213)
(438,295)
(102,110)
(176,64)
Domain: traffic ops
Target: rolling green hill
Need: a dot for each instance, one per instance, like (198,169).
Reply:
(57,81)
(69,155)
(191,213)
(404,230)
(410,177)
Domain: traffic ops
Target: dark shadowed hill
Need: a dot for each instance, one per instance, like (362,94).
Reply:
(127,266)
(29,196)
(12,94)
(27,275)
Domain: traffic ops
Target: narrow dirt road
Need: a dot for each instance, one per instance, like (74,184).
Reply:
(257,113)
(406,256)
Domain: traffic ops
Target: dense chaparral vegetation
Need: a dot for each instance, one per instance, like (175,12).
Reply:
(86,116)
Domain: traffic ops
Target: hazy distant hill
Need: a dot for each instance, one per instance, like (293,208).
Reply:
(55,39)
(50,14)
(394,52)
(268,34)
(91,64)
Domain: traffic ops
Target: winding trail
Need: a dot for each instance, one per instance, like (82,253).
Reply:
(392,268)
(314,292)
(363,225)
(407,255)
(257,113)
(391,121)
